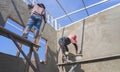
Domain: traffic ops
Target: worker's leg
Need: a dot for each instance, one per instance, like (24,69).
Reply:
(65,52)
(63,48)
(30,23)
(37,26)
(26,31)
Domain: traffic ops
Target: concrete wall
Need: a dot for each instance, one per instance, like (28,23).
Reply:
(101,39)
(10,63)
(51,35)
(14,9)
(104,66)
(18,11)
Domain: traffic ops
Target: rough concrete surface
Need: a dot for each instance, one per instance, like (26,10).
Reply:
(101,38)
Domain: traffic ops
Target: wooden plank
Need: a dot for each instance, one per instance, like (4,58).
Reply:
(29,57)
(36,56)
(92,60)
(20,39)
(18,52)
(29,62)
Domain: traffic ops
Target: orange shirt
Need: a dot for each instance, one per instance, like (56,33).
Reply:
(37,9)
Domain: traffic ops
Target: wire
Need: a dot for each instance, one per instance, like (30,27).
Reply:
(83,28)
(85,7)
(64,10)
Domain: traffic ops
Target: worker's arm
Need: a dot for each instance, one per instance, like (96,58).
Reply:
(76,47)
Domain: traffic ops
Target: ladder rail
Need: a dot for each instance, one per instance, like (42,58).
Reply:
(30,63)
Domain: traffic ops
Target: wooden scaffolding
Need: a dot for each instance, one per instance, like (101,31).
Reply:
(19,41)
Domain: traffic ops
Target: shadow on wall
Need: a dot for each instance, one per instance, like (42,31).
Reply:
(72,58)
(52,60)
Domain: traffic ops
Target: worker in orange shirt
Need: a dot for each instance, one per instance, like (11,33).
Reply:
(64,41)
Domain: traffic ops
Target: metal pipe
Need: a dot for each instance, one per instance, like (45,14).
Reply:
(99,59)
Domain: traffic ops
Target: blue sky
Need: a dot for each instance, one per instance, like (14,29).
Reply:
(72,5)
(69,6)
(56,11)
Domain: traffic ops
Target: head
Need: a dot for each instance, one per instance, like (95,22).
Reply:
(41,5)
(73,38)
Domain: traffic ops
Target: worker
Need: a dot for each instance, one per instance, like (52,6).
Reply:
(64,41)
(36,18)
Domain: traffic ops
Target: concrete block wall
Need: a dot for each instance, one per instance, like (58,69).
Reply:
(15,9)
(101,39)
(10,63)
